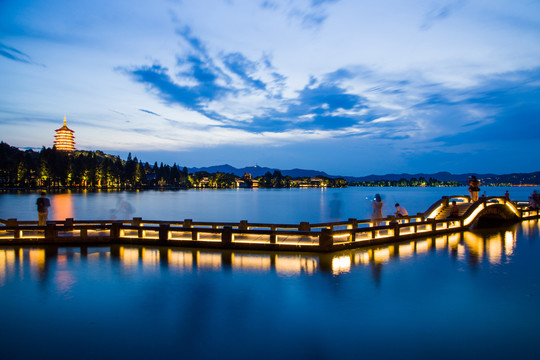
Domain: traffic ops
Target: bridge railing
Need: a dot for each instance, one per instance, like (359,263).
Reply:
(330,236)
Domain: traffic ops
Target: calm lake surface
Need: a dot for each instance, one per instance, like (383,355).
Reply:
(255,205)
(470,295)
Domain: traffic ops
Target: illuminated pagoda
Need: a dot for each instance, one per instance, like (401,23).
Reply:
(64,138)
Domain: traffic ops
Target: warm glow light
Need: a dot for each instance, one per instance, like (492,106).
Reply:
(129,257)
(209,260)
(294,265)
(509,243)
(62,207)
(422,246)
(494,249)
(341,264)
(440,242)
(453,240)
(461,252)
(435,212)
(64,138)
(406,250)
(7,264)
(37,259)
(181,260)
(381,255)
(475,243)
(251,262)
(150,257)
(471,217)
(361,257)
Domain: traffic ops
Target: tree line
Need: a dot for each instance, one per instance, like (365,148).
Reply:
(405,183)
(50,168)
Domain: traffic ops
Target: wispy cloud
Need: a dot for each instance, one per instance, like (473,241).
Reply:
(149,112)
(442,11)
(14,54)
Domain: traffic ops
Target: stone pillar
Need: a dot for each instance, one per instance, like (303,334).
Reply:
(326,240)
(50,231)
(304,226)
(226,236)
(68,224)
(114,233)
(164,233)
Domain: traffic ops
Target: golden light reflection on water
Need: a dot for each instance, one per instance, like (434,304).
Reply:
(295,264)
(62,207)
(492,247)
(7,265)
(150,258)
(182,260)
(341,264)
(257,262)
(209,260)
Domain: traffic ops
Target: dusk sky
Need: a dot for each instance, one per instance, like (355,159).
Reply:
(349,87)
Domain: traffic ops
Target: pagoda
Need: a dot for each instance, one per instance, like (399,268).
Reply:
(64,138)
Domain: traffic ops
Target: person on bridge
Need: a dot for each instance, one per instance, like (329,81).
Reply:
(533,205)
(474,189)
(377,205)
(507,195)
(454,211)
(400,211)
(43,205)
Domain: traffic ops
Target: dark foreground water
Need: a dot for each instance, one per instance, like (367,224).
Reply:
(460,296)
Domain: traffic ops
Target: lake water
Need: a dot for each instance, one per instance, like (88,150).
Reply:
(256,205)
(467,295)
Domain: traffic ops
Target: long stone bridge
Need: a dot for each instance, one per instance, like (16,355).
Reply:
(322,237)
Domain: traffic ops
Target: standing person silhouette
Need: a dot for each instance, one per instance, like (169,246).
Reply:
(43,205)
(474,189)
(377,205)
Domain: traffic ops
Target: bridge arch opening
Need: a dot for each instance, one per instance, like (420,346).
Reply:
(494,216)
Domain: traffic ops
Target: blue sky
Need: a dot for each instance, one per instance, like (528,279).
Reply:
(348,87)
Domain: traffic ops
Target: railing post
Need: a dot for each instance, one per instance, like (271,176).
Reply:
(114,233)
(304,226)
(137,222)
(68,224)
(353,226)
(14,223)
(326,239)
(188,223)
(243,225)
(50,231)
(226,235)
(273,235)
(164,232)
(446,201)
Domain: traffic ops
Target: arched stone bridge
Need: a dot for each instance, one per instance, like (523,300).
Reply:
(486,211)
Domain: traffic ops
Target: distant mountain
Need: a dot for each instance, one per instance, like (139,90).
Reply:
(258,171)
(516,179)
(255,171)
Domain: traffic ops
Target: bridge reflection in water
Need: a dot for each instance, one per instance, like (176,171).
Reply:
(494,247)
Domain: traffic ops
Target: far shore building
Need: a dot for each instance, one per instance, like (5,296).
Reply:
(64,138)
(246,181)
